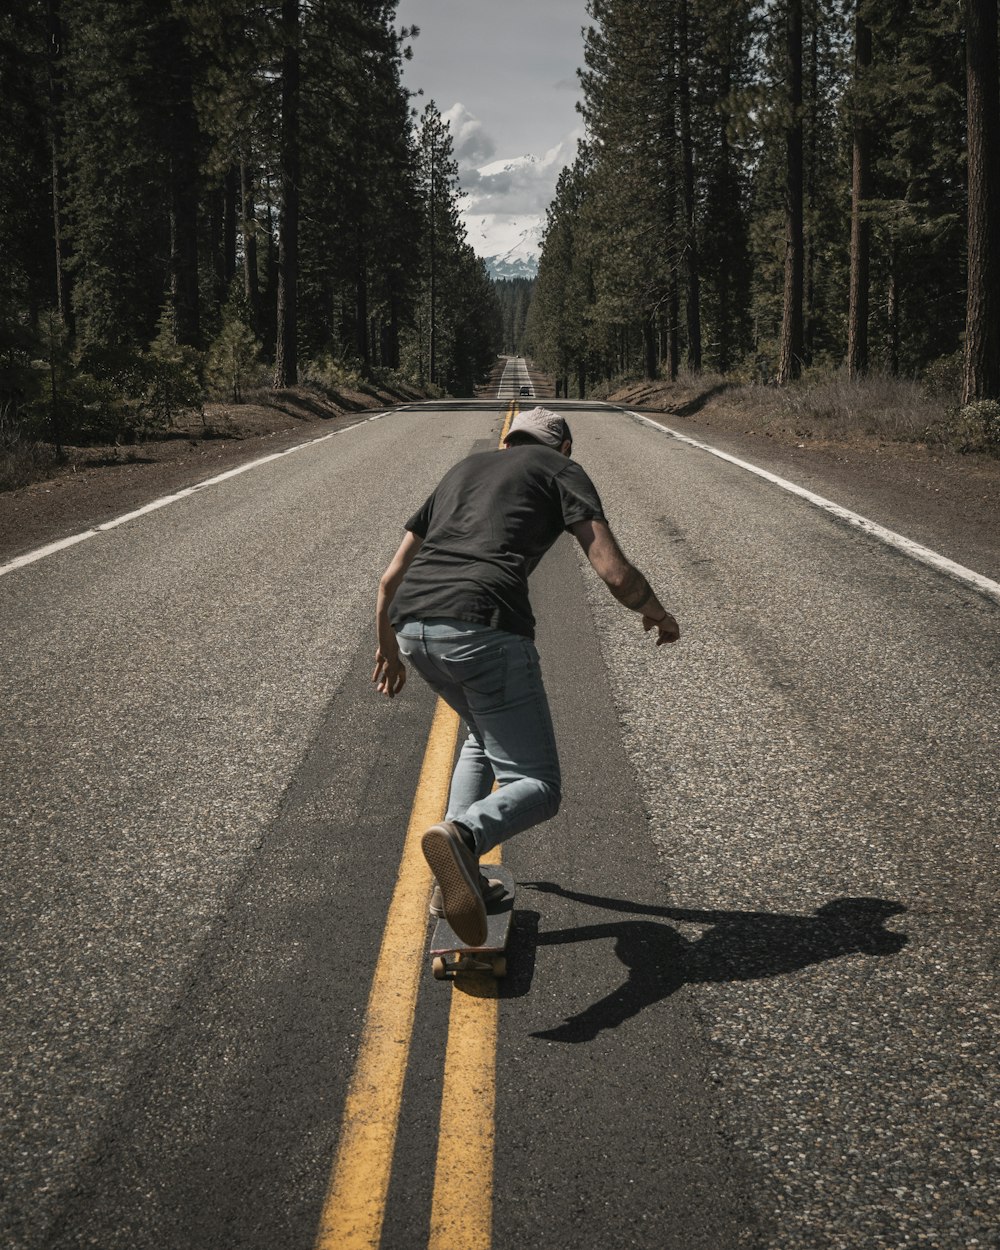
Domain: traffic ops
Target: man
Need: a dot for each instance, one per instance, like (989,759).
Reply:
(454,601)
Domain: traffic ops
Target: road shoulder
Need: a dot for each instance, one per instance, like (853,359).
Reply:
(945,501)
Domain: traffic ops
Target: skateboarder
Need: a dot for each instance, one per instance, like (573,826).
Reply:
(454,602)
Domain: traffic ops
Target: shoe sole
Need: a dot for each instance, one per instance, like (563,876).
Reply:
(489,900)
(463,904)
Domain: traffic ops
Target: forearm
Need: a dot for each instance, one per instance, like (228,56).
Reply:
(624,580)
(389,583)
(630,588)
(628,585)
(385,633)
(390,672)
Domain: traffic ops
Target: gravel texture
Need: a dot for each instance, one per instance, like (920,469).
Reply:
(806,785)
(825,731)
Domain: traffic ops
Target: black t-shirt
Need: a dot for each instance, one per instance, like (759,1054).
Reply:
(490,520)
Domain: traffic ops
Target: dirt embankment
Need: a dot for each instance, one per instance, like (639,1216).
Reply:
(95,484)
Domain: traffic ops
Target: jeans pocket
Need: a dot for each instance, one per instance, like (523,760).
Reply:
(480,670)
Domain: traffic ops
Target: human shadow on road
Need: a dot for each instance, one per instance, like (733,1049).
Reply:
(737,946)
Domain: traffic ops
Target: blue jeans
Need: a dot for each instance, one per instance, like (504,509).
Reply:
(493,681)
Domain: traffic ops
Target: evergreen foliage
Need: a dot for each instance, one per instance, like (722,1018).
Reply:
(453,340)
(515,295)
(672,239)
(234,359)
(187,184)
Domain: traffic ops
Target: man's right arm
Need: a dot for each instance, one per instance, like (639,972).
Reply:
(623,579)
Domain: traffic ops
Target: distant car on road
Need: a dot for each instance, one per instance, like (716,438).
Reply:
(525,390)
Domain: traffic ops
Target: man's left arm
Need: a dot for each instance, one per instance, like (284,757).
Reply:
(390,672)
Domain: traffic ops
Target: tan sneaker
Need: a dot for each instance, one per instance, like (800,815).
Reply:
(457,872)
(493,893)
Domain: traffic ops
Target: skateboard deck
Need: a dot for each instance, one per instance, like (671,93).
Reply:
(450,956)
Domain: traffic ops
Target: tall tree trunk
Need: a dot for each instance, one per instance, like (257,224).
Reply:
(392,337)
(861,190)
(248,229)
(649,345)
(229,215)
(55,54)
(286,359)
(729,199)
(183,144)
(433,271)
(809,241)
(269,296)
(892,308)
(184,252)
(982,326)
(361,310)
(673,336)
(216,240)
(693,303)
(790,359)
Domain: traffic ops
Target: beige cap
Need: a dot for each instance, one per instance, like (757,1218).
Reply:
(543,425)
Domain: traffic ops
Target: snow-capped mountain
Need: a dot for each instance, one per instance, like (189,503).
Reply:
(505,201)
(497,267)
(521,260)
(505,207)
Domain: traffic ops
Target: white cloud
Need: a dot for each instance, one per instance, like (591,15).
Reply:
(470,142)
(505,199)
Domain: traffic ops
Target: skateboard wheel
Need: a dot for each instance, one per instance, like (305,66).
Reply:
(439,968)
(500,966)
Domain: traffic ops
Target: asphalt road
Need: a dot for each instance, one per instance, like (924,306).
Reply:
(513,379)
(752,999)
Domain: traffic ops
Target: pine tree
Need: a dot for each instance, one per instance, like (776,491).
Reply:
(725,157)
(981,378)
(286,359)
(916,86)
(861,191)
(558,320)
(790,355)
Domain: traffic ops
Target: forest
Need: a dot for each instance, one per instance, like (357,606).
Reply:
(514,296)
(201,198)
(204,200)
(781,190)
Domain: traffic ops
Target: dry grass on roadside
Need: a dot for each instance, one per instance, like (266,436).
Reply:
(22,458)
(831,408)
(839,409)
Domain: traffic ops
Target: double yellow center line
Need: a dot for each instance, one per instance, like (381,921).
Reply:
(461,1213)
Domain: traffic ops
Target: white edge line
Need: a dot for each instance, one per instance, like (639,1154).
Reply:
(50,549)
(924,554)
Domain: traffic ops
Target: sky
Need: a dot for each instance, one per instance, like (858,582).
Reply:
(503,72)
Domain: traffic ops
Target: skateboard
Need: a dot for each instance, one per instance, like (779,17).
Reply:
(450,956)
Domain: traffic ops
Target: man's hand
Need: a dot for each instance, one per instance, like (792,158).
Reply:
(389,675)
(623,579)
(667,628)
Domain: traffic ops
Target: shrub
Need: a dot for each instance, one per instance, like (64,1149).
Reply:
(943,377)
(97,409)
(123,395)
(329,374)
(23,458)
(977,427)
(170,380)
(233,361)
